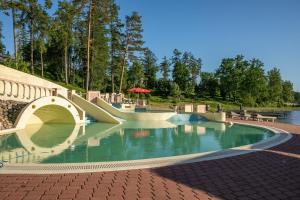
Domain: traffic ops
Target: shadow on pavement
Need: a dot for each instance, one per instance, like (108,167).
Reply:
(269,174)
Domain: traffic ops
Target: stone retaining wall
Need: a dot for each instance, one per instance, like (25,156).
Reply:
(9,111)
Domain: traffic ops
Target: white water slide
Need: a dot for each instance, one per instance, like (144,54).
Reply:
(94,111)
(134,116)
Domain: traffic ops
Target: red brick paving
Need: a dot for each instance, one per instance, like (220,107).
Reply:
(269,174)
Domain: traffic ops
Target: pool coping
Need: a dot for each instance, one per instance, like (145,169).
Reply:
(280,136)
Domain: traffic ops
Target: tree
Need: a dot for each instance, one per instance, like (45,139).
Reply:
(115,43)
(180,71)
(254,84)
(240,66)
(2,46)
(230,74)
(193,65)
(90,15)
(195,69)
(297,97)
(165,68)
(275,85)
(133,41)
(224,74)
(163,87)
(64,22)
(136,75)
(21,43)
(99,60)
(14,6)
(43,22)
(150,68)
(31,11)
(175,90)
(287,91)
(208,85)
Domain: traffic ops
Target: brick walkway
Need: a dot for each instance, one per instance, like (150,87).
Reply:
(270,174)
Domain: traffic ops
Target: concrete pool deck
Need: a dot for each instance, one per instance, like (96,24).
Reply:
(269,174)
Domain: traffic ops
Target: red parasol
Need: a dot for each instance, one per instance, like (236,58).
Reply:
(139,90)
(141,133)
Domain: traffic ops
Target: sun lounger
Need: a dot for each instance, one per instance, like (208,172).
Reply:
(2,163)
(245,116)
(267,118)
(234,115)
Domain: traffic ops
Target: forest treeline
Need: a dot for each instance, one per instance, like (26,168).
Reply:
(86,44)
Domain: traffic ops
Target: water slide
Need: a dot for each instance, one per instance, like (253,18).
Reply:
(133,116)
(95,111)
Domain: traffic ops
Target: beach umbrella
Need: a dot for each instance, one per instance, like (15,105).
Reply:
(139,90)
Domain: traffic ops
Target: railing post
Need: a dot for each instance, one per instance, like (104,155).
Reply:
(54,92)
(70,94)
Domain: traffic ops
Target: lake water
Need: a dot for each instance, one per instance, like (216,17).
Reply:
(291,118)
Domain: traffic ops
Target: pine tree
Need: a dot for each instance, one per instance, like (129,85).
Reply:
(31,11)
(42,34)
(194,66)
(136,75)
(180,71)
(150,68)
(2,46)
(22,41)
(165,68)
(133,42)
(12,7)
(90,16)
(64,22)
(99,45)
(115,43)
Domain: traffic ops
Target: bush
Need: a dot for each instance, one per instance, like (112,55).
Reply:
(20,65)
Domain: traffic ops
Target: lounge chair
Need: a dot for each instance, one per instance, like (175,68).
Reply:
(259,117)
(234,115)
(246,116)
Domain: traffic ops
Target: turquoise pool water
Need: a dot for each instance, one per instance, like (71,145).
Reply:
(59,143)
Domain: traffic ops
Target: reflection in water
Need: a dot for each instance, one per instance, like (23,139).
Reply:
(37,142)
(128,141)
(48,135)
(200,130)
(141,133)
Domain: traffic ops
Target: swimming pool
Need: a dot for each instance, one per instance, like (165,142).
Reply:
(98,142)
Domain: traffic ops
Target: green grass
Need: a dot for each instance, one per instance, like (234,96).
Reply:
(163,103)
(70,87)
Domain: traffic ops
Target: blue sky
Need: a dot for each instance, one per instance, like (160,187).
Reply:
(214,29)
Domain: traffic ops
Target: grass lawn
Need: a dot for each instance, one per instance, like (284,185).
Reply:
(167,103)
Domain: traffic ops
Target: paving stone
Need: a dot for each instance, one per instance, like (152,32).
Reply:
(49,197)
